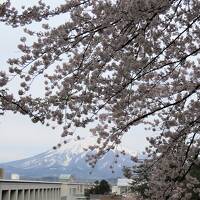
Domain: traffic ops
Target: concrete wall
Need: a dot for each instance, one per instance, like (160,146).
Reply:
(29,190)
(74,191)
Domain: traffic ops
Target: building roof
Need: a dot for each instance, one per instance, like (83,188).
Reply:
(66,177)
(124,182)
(28,181)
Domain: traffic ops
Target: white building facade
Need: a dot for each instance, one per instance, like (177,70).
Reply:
(29,190)
(123,186)
(74,191)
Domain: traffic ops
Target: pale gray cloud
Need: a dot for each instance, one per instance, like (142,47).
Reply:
(19,137)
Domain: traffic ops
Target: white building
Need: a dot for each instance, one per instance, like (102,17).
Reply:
(66,178)
(14,177)
(74,191)
(123,186)
(71,189)
(29,190)
(42,190)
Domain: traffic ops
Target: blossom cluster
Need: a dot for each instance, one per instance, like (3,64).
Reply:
(118,64)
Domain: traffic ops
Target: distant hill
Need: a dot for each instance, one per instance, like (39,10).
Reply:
(69,159)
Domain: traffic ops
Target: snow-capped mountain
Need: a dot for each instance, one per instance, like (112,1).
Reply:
(69,159)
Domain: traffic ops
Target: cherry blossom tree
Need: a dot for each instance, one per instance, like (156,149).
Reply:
(117,63)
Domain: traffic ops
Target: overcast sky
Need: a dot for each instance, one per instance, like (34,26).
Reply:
(19,137)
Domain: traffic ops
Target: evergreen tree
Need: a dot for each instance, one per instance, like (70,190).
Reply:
(101,187)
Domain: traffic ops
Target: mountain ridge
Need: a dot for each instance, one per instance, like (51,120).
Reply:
(70,159)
